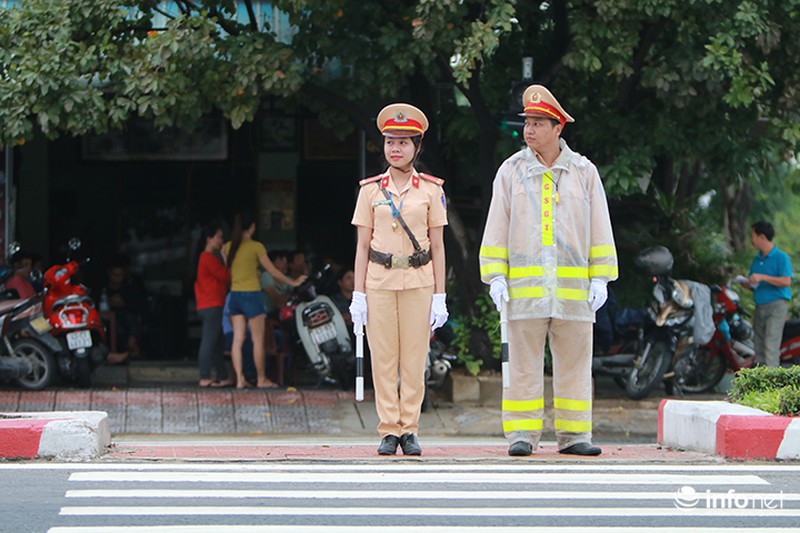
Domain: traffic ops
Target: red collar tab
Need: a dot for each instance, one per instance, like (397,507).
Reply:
(385,181)
(545,108)
(415,181)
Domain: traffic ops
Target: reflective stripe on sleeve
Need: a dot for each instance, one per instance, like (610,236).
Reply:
(606,250)
(494,252)
(572,405)
(494,268)
(532,424)
(608,271)
(573,426)
(523,405)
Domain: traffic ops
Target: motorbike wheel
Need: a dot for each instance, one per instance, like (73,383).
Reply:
(343,367)
(699,372)
(83,372)
(43,362)
(649,370)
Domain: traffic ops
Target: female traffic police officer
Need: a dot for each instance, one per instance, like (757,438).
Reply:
(399,275)
(548,250)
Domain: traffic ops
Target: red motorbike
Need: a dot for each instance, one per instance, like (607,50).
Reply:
(75,322)
(730,347)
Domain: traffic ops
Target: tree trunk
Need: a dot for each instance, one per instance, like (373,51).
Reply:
(737,198)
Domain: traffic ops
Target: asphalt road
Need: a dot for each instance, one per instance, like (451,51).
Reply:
(417,495)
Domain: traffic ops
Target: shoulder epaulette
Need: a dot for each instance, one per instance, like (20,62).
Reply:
(373,179)
(432,179)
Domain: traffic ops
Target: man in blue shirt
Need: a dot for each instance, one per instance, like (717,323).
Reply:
(770,278)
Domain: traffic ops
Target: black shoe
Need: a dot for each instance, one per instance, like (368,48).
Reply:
(388,445)
(410,444)
(581,448)
(520,448)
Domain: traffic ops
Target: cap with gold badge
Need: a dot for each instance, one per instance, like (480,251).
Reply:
(540,102)
(402,120)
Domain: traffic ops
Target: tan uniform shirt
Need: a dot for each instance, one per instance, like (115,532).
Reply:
(549,233)
(423,207)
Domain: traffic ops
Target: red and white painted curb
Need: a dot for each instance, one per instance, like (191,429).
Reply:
(728,430)
(66,435)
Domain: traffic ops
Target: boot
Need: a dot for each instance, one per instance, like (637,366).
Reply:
(388,445)
(581,448)
(520,448)
(410,444)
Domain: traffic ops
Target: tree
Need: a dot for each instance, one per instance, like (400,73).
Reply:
(684,97)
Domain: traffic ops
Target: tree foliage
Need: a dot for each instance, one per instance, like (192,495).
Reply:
(673,98)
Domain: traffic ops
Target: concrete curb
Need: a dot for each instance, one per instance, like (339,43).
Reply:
(729,430)
(64,435)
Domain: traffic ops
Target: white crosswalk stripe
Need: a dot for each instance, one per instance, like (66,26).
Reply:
(436,498)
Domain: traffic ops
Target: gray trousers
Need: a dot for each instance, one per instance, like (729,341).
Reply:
(768,330)
(211,344)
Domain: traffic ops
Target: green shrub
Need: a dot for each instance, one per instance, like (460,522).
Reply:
(763,378)
(789,401)
(775,390)
(484,320)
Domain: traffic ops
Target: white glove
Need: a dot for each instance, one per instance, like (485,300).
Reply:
(438,311)
(598,294)
(498,290)
(358,311)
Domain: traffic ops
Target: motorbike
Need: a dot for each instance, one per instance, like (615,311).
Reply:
(669,336)
(75,321)
(321,331)
(730,347)
(26,355)
(438,364)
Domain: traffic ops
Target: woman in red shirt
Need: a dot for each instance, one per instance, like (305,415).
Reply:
(210,287)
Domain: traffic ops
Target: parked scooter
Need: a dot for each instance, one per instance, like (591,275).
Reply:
(674,325)
(75,321)
(730,347)
(321,331)
(438,364)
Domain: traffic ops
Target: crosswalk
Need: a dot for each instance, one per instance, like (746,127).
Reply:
(418,496)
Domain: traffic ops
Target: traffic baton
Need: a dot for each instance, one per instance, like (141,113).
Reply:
(360,364)
(504,344)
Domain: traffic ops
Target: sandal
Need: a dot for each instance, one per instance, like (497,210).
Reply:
(205,383)
(223,383)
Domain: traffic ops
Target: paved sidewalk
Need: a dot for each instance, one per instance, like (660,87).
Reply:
(182,410)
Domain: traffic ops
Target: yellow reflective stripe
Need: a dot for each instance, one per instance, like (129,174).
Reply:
(523,405)
(525,272)
(495,252)
(572,405)
(534,424)
(609,271)
(547,209)
(516,293)
(573,272)
(606,250)
(573,426)
(494,268)
(572,294)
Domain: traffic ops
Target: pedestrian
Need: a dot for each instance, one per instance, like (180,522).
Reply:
(275,294)
(210,288)
(770,277)
(22,263)
(548,251)
(243,255)
(399,275)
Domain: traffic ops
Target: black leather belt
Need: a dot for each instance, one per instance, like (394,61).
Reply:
(415,260)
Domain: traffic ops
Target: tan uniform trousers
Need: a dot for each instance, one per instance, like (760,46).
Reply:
(523,400)
(399,332)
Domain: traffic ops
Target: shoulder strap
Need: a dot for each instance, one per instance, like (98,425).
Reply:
(417,247)
(432,179)
(365,181)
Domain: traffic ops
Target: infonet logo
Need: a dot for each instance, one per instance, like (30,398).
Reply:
(687,498)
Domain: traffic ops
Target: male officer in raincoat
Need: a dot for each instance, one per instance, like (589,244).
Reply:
(548,253)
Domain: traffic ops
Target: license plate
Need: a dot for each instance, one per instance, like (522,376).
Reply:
(40,324)
(79,339)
